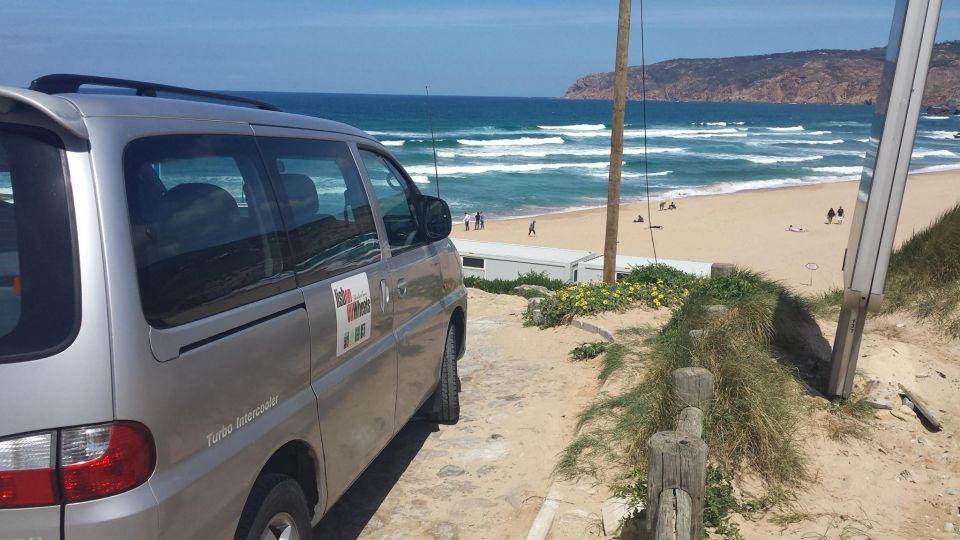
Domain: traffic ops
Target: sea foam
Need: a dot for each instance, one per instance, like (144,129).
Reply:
(791,128)
(522,141)
(466,170)
(392,143)
(768,160)
(768,142)
(724,188)
(506,151)
(575,127)
(846,171)
(938,134)
(924,153)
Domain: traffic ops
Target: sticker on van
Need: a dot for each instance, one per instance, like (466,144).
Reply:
(351,297)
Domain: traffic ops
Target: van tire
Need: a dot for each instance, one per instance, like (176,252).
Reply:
(274,496)
(445,401)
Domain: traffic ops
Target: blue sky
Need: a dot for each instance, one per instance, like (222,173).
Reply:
(494,47)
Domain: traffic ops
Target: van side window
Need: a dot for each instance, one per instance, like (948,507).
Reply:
(205,226)
(324,206)
(39,278)
(397,199)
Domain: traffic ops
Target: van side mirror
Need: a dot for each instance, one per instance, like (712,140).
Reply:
(436,218)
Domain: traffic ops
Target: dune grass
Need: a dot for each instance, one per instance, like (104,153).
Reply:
(508,286)
(752,423)
(924,274)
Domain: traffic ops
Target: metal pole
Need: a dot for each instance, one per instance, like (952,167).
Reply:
(616,145)
(883,181)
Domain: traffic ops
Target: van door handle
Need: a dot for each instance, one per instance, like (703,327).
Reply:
(401,287)
(384,295)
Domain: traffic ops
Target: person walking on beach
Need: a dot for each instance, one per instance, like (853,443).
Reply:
(840,215)
(483,223)
(466,221)
(662,204)
(532,231)
(830,214)
(476,221)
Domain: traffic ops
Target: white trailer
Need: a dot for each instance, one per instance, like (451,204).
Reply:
(592,270)
(492,260)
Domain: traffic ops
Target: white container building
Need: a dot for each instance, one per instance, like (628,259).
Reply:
(492,260)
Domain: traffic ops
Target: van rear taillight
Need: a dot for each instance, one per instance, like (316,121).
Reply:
(27,473)
(98,461)
(94,462)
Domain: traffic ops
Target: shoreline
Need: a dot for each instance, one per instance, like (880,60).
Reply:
(656,197)
(746,228)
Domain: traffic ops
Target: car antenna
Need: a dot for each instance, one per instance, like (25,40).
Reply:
(433,140)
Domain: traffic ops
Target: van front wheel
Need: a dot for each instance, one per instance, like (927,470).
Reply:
(444,405)
(276,509)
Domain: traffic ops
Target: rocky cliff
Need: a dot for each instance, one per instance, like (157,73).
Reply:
(822,76)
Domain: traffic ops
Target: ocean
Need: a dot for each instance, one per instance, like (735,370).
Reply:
(514,157)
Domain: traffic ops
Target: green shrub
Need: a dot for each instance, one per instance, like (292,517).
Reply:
(719,501)
(507,286)
(660,273)
(596,297)
(750,425)
(924,274)
(589,351)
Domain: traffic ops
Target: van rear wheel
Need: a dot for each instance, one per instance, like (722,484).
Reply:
(444,405)
(275,510)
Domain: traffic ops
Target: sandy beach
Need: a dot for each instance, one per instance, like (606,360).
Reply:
(745,228)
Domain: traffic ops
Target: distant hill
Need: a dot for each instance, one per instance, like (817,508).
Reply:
(821,76)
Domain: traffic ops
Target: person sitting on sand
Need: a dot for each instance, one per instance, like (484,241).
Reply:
(639,219)
(672,206)
(798,228)
(840,215)
(830,214)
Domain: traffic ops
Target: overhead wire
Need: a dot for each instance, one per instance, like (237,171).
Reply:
(646,165)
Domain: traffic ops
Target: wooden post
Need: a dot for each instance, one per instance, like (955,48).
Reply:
(691,422)
(692,387)
(715,311)
(721,269)
(674,515)
(616,144)
(676,461)
(697,334)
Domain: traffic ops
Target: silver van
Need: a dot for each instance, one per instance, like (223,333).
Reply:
(213,317)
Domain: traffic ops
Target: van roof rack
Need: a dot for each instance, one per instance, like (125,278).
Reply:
(70,84)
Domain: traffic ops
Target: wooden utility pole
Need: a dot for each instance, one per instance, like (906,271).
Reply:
(616,145)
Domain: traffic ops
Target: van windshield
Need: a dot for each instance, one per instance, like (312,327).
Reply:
(38,305)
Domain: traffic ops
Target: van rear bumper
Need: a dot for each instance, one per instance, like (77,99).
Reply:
(30,523)
(132,514)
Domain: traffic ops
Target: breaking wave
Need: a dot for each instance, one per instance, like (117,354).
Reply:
(522,141)
(466,170)
(846,171)
(924,153)
(575,127)
(497,152)
(792,128)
